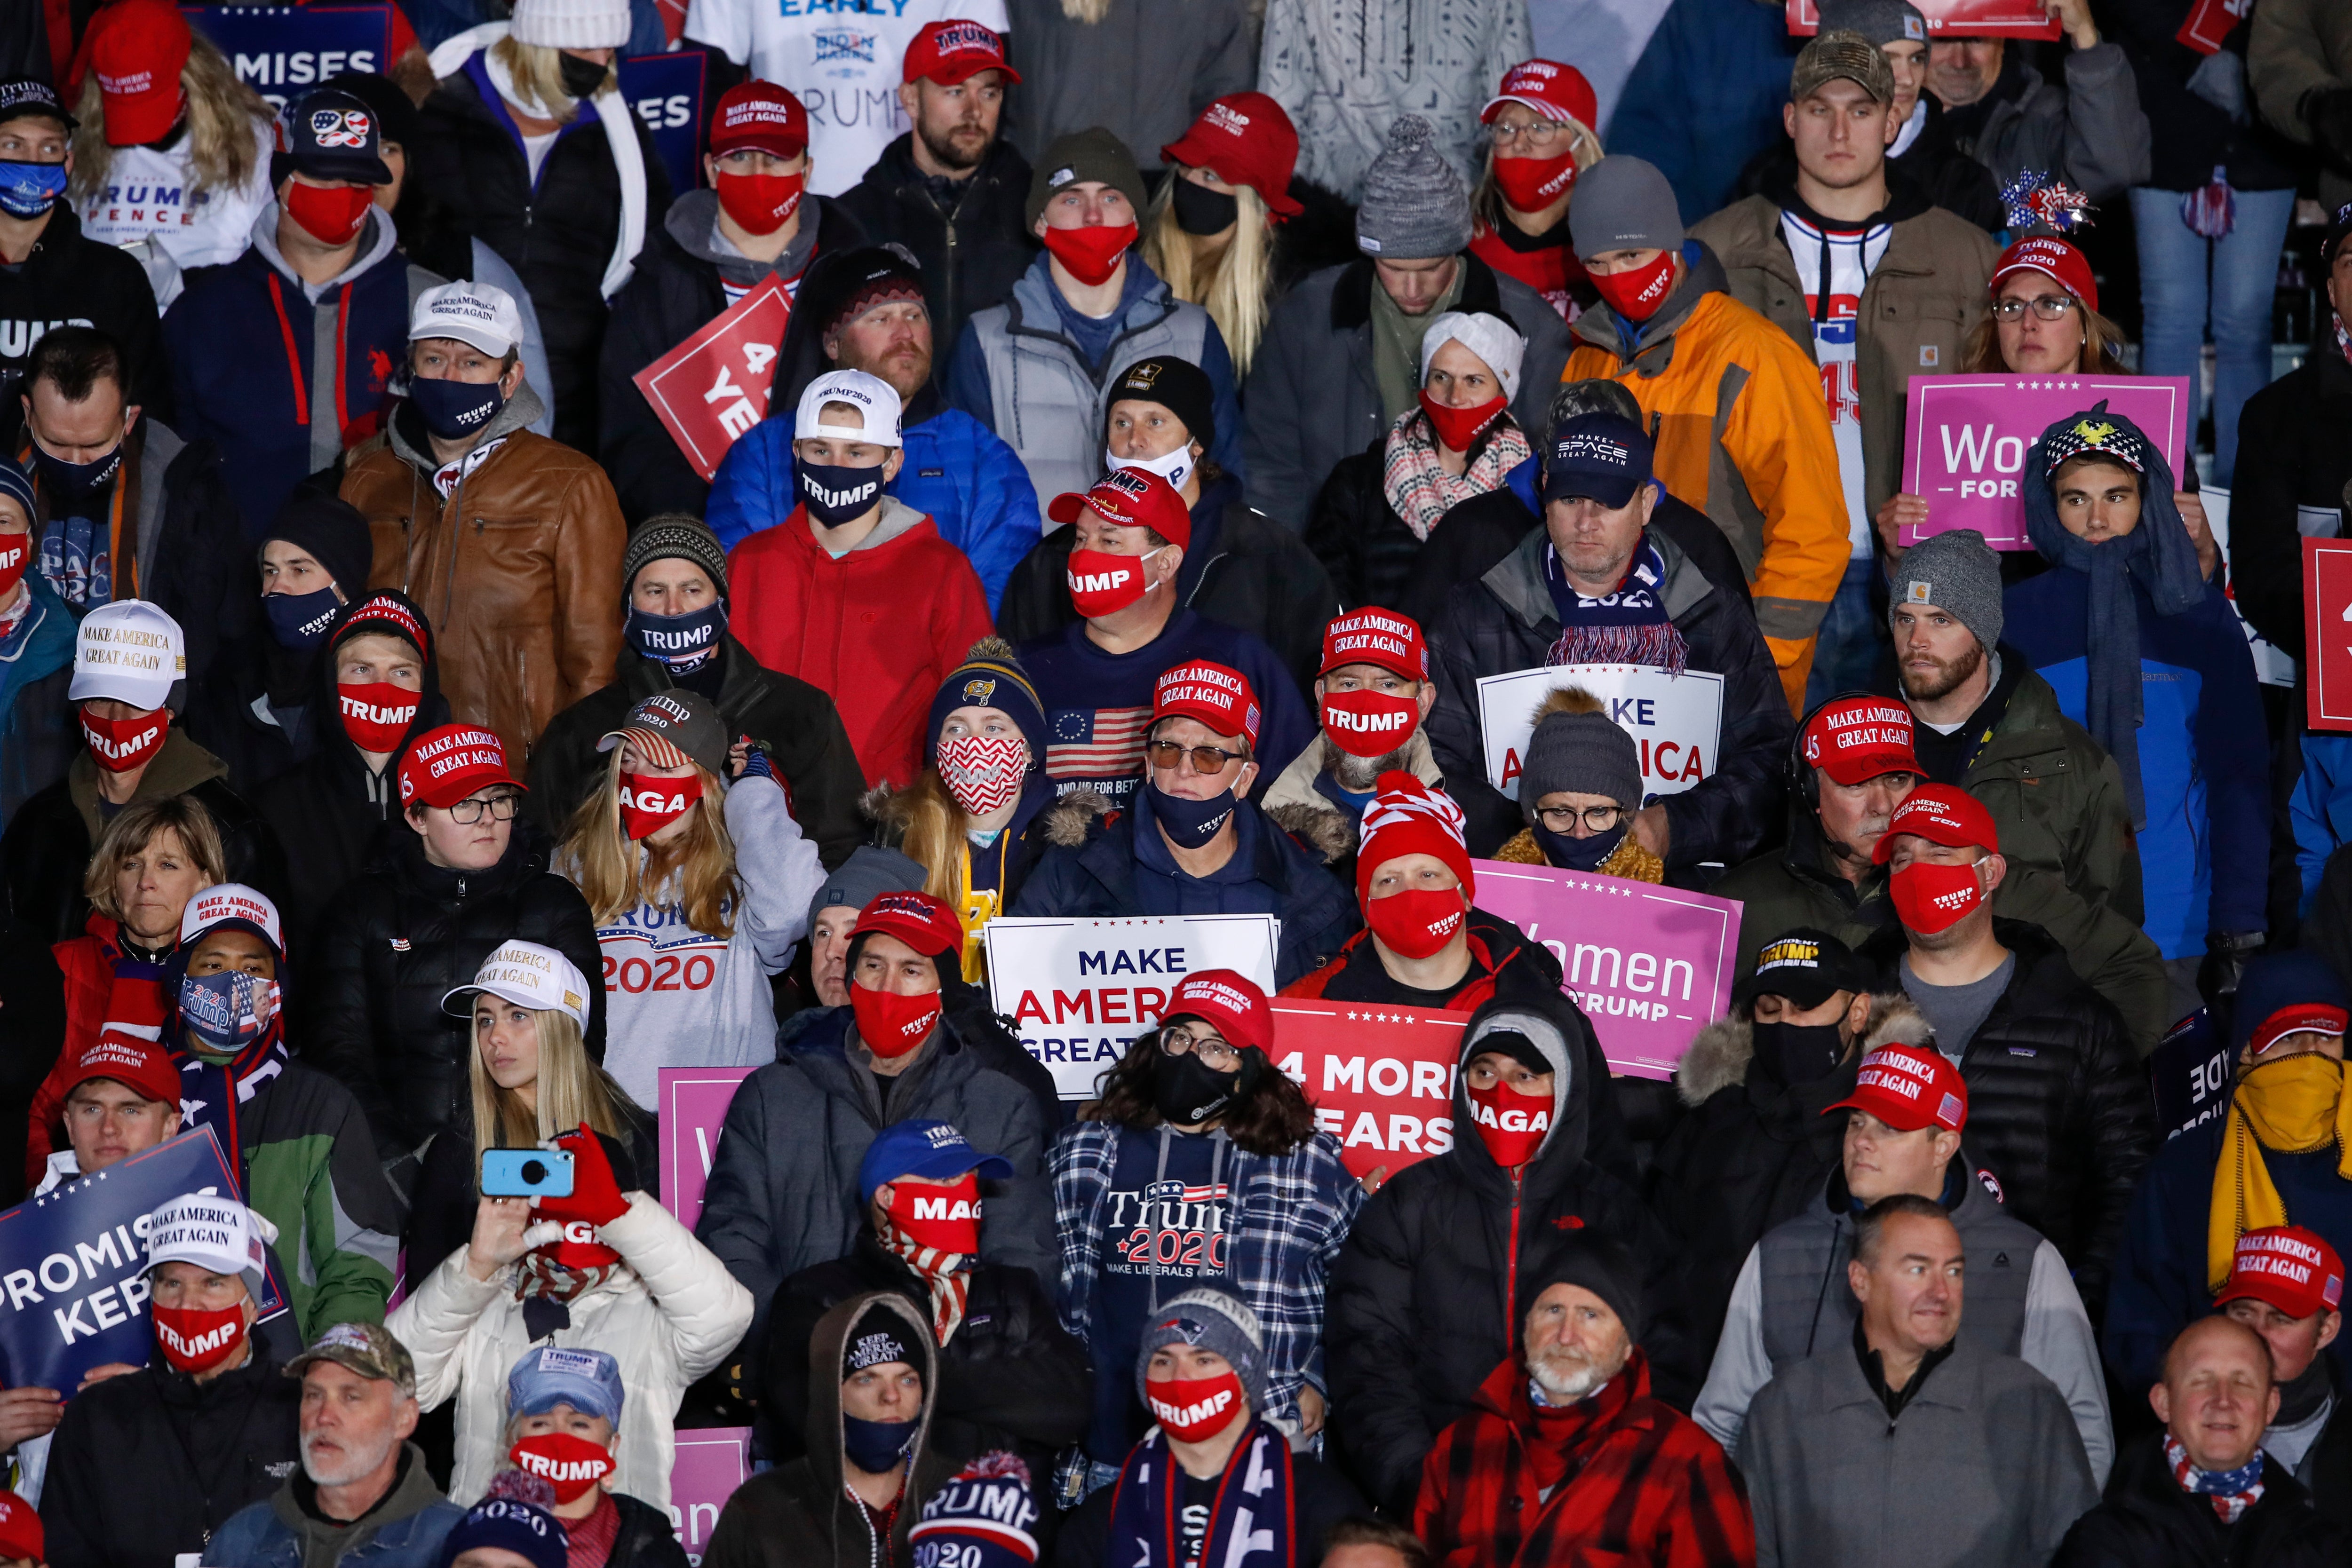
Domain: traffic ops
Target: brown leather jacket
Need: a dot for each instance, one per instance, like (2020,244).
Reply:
(519,570)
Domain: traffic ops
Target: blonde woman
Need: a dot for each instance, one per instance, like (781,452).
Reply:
(1539,138)
(699,889)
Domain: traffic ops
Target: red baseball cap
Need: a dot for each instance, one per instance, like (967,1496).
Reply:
(2048,254)
(1229,1000)
(1375,637)
(137,48)
(1556,91)
(2296,1018)
(2287,1266)
(448,764)
(762,116)
(1856,739)
(1909,1087)
(135,1064)
(1129,499)
(1245,139)
(955,52)
(1219,696)
(1941,815)
(922,922)
(20,1529)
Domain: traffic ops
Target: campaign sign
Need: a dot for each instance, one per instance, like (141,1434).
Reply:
(73,1264)
(666,92)
(713,387)
(1650,966)
(1078,991)
(283,52)
(707,1463)
(1965,437)
(1953,18)
(1677,721)
(2189,1072)
(2327,632)
(2273,667)
(1382,1079)
(693,1102)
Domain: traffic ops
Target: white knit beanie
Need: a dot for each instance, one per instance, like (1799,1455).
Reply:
(572,23)
(1488,336)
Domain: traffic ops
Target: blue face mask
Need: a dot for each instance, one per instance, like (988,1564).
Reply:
(456,411)
(76,478)
(876,1447)
(26,190)
(297,621)
(1579,855)
(222,1013)
(1191,825)
(682,641)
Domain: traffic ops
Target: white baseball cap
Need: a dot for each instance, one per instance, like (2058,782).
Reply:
(528,976)
(130,652)
(232,904)
(217,1234)
(876,401)
(481,314)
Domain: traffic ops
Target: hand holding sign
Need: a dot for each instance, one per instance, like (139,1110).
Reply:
(1953,18)
(1382,1079)
(1965,437)
(713,387)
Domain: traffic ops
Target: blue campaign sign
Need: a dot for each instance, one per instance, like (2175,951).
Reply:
(281,50)
(666,92)
(73,1286)
(2190,1072)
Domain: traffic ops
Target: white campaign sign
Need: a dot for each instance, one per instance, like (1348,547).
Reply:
(1078,991)
(1677,721)
(2273,666)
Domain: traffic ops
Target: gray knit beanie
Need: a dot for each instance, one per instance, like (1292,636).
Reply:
(868,873)
(1955,573)
(1078,156)
(1415,206)
(1213,1319)
(1883,22)
(673,534)
(1575,747)
(1624,203)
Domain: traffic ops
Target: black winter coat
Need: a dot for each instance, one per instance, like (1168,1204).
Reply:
(146,1466)
(1374,559)
(72,279)
(2059,1108)
(2188,135)
(645,1539)
(972,253)
(2147,1522)
(557,233)
(2294,449)
(397,939)
(32,1032)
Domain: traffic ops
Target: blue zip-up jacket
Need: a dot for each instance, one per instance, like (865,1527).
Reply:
(2204,761)
(411,1524)
(1705,97)
(2322,808)
(969,483)
(37,732)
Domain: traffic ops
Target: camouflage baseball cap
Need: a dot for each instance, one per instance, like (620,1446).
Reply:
(368,1349)
(1832,55)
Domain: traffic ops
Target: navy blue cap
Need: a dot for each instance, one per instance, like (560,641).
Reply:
(933,1150)
(30,95)
(1598,455)
(330,134)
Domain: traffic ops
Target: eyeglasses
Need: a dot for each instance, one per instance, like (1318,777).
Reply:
(1561,819)
(1205,758)
(2048,307)
(501,807)
(1538,135)
(1214,1053)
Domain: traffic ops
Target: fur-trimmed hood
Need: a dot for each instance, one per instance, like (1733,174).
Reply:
(1071,818)
(1719,1053)
(1294,803)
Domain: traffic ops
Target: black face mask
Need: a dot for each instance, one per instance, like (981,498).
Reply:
(1579,855)
(1201,211)
(1187,1092)
(76,478)
(1191,825)
(456,411)
(1798,1052)
(580,78)
(834,494)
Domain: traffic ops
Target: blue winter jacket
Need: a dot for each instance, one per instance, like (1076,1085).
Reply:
(956,471)
(37,733)
(269,1534)
(2321,806)
(1705,97)
(2204,759)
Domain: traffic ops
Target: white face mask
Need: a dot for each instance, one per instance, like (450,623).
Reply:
(1175,467)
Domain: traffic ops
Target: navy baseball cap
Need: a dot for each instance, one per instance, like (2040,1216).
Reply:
(933,1150)
(1598,455)
(30,95)
(587,1380)
(331,135)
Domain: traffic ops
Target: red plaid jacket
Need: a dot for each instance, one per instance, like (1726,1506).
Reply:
(1646,1486)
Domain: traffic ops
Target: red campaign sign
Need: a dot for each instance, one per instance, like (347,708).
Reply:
(1382,1079)
(2210,22)
(713,387)
(693,1102)
(2327,632)
(1960,18)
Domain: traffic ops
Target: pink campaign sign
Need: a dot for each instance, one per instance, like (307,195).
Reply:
(707,1466)
(1966,438)
(1650,966)
(694,1102)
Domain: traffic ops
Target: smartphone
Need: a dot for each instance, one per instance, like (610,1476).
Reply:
(526,1173)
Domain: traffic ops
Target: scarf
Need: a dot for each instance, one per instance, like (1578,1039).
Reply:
(213,1094)
(588,1542)
(2156,555)
(1559,1429)
(2232,1491)
(1627,627)
(2294,1105)
(538,1274)
(948,1275)
(1417,486)
(1256,1489)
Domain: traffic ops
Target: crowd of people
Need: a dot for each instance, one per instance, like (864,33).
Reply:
(414,740)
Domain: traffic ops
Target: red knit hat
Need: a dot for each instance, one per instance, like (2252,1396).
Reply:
(1245,139)
(20,1530)
(1409,817)
(1217,696)
(2292,1269)
(1376,637)
(1229,1000)
(137,48)
(922,922)
(2053,256)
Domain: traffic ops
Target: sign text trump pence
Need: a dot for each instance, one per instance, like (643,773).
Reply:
(1380,1078)
(1677,721)
(1650,966)
(1078,990)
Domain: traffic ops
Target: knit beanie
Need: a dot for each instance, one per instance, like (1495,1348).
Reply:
(1415,206)
(991,676)
(1213,1319)
(1955,573)
(985,1517)
(518,1516)
(572,23)
(1623,203)
(1489,336)
(324,526)
(1409,817)
(1176,384)
(674,535)
(16,484)
(1577,747)
(844,285)
(1599,1264)
(1093,153)
(868,873)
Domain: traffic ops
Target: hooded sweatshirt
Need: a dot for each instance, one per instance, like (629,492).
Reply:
(147,194)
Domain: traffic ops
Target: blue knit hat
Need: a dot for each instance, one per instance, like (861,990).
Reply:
(518,1516)
(16,482)
(986,1516)
(991,676)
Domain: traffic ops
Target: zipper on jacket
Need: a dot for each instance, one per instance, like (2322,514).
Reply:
(1511,1266)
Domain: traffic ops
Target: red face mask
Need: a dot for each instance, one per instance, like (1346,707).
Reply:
(945,1218)
(1105,584)
(1458,427)
(1637,295)
(332,214)
(120,745)
(195,1341)
(1366,722)
(376,713)
(1192,1408)
(1531,184)
(1511,1125)
(16,553)
(1931,898)
(761,203)
(1417,922)
(892,1025)
(566,1461)
(649,804)
(1090,255)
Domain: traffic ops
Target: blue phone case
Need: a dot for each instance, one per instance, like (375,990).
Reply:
(509,1173)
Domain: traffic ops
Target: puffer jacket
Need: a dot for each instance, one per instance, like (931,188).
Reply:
(970,255)
(404,1530)
(1505,622)
(2295,48)
(2058,1105)
(2294,457)
(519,567)
(397,939)
(1375,558)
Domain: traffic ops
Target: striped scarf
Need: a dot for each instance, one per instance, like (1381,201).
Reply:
(1626,627)
(2232,1491)
(1419,489)
(948,1275)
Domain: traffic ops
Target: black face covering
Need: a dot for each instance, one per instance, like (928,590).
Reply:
(1187,1092)
(1201,211)
(580,78)
(1579,855)
(1798,1052)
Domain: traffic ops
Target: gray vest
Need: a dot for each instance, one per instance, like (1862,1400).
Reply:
(1807,1307)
